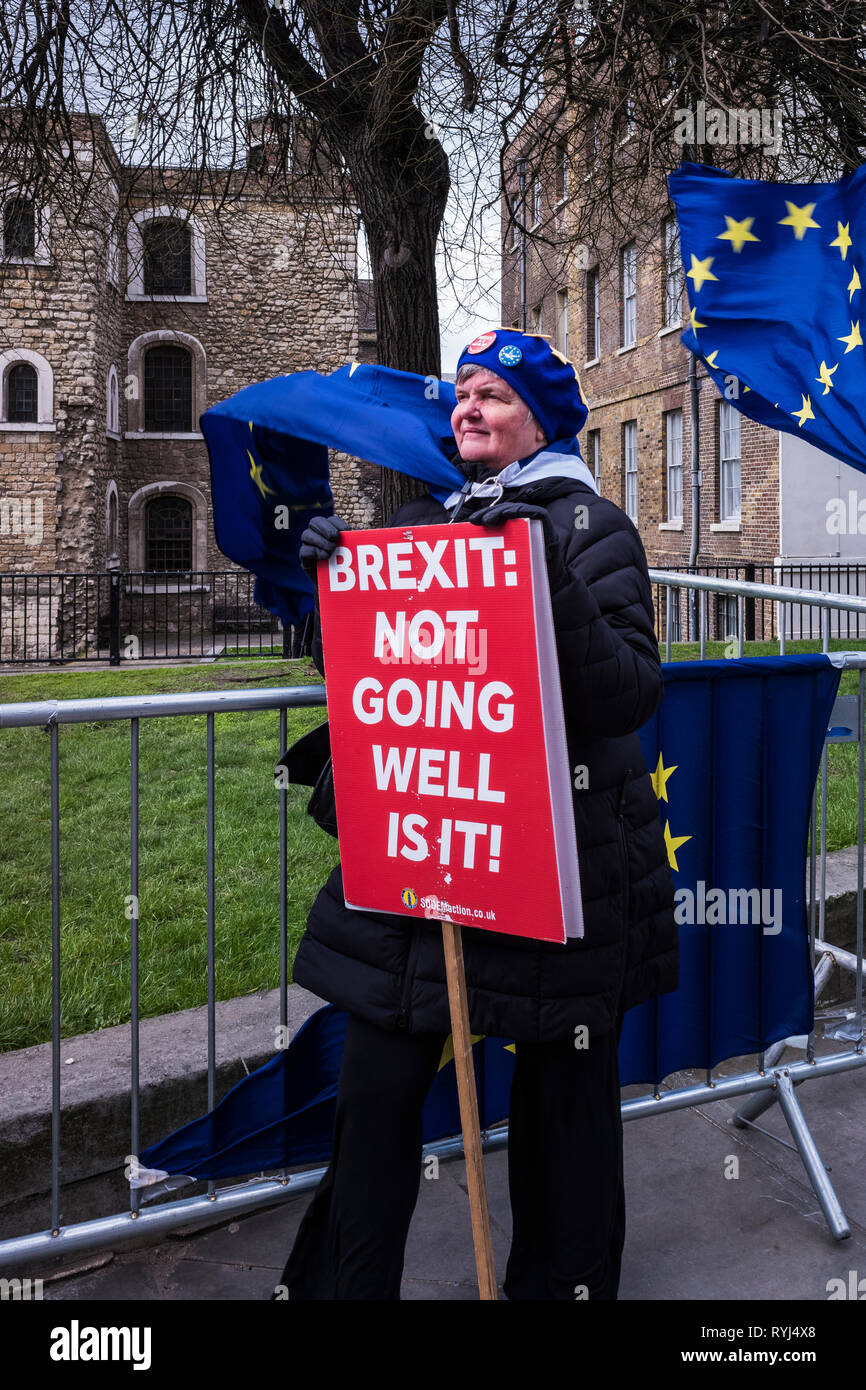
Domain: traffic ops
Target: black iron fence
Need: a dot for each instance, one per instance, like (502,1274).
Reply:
(117,616)
(761,616)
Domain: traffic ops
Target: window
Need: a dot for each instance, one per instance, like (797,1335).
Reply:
(562,169)
(168,389)
(593,321)
(113,253)
(112,527)
(593,444)
(562,321)
(165,255)
(628,277)
(535,318)
(729,462)
(166,244)
(673,273)
(19,228)
(112,402)
(168,371)
(22,391)
(674,450)
(729,616)
(27,396)
(629,448)
(536,201)
(168,534)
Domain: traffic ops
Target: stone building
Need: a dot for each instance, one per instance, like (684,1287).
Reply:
(616,310)
(120,325)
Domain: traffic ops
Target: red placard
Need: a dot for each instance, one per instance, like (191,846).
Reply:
(451,772)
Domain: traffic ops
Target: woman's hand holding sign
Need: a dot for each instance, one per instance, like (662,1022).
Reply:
(320,540)
(501,512)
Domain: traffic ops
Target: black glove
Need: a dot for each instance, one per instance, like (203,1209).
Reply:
(320,540)
(558,575)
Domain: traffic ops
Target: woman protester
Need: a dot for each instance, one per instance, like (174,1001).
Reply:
(519,409)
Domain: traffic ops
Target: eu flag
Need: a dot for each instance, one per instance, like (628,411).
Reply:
(774,281)
(268,448)
(733,751)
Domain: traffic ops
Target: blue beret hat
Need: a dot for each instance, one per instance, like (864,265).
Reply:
(539,374)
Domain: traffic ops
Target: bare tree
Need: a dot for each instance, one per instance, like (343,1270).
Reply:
(399,105)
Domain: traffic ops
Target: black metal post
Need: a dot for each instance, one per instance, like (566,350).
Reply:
(114,618)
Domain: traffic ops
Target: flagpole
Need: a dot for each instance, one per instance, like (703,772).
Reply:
(458,1004)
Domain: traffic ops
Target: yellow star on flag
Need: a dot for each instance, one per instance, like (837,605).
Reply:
(448,1049)
(854,283)
(694,321)
(711,359)
(826,376)
(738,233)
(799,218)
(700,270)
(256,475)
(853,338)
(843,240)
(673,843)
(805,412)
(659,778)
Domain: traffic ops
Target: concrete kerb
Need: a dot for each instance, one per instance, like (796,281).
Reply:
(95,1099)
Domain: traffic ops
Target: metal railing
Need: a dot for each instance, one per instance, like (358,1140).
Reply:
(760,618)
(771,1080)
(117,616)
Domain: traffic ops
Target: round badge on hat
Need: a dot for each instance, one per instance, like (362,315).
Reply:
(510,355)
(482,342)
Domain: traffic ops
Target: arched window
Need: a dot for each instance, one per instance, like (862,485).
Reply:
(168,534)
(27,395)
(168,389)
(167,256)
(112,402)
(19,227)
(22,392)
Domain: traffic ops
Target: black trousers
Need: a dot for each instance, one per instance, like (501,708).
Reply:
(564,1171)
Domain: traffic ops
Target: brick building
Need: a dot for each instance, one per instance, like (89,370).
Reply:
(120,326)
(617,310)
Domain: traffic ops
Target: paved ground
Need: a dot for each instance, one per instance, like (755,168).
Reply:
(693,1232)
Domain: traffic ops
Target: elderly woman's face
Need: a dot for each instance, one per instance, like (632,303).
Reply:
(490,422)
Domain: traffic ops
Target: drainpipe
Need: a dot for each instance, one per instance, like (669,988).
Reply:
(694,415)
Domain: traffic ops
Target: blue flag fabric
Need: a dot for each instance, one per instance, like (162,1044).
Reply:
(774,272)
(733,750)
(283,1113)
(268,447)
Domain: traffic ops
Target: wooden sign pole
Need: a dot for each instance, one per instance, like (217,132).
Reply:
(452,942)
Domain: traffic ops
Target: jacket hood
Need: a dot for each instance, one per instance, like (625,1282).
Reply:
(547,463)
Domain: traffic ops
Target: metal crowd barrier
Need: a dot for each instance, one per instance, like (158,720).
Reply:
(772,1079)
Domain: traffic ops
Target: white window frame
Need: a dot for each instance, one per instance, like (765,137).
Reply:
(135,256)
(674,463)
(562,321)
(112,265)
(730,463)
(536,202)
(42,217)
(629,450)
(594,451)
(674,279)
(44,391)
(563,173)
(112,541)
(593,311)
(628,263)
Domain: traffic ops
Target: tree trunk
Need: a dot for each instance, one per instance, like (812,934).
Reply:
(402,218)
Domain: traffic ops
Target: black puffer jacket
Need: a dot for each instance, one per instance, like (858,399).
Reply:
(390,969)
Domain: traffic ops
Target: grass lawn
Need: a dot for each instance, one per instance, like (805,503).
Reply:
(95,843)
